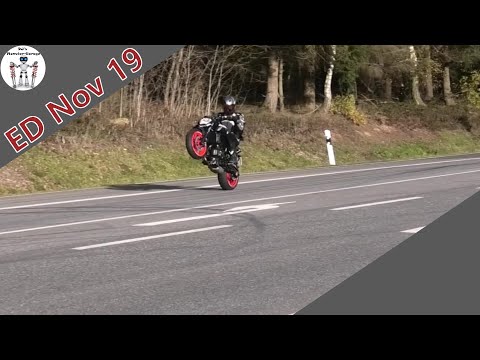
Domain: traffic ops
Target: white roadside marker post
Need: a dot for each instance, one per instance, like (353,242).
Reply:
(331,154)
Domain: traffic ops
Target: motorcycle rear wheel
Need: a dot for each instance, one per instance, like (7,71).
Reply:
(227,181)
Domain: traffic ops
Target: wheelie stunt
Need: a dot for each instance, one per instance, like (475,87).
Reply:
(216,139)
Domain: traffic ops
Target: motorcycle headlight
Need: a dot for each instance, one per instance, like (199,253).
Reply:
(205,121)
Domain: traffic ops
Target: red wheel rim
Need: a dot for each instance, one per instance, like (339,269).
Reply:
(232,181)
(197,144)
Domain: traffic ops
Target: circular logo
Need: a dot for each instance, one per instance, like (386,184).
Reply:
(23,68)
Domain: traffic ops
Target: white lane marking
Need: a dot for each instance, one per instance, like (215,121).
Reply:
(377,203)
(87,199)
(255,207)
(241,183)
(239,210)
(234,202)
(353,171)
(152,237)
(413,231)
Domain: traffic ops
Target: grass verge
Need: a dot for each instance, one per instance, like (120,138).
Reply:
(49,169)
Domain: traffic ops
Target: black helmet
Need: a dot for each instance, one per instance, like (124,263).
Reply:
(229,103)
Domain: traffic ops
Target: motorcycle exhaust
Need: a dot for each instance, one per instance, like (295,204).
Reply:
(217,170)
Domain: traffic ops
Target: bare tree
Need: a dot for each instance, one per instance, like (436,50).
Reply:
(429,76)
(327,103)
(121,102)
(447,91)
(309,66)
(280,86)
(415,83)
(176,79)
(139,96)
(446,56)
(271,100)
(168,86)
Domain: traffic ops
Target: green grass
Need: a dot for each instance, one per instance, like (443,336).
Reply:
(48,170)
(78,169)
(451,143)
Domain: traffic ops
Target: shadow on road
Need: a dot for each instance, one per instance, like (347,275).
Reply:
(148,187)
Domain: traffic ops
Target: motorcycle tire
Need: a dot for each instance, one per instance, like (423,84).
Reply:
(227,182)
(194,144)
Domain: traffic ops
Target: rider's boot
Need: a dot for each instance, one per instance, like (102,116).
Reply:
(233,158)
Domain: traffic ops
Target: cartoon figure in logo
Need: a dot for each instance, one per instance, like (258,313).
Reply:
(12,74)
(34,73)
(23,71)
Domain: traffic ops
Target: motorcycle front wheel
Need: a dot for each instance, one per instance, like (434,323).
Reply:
(195,145)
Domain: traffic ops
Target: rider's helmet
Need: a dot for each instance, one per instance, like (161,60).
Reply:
(229,103)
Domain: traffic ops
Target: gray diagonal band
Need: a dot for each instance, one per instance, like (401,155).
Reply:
(435,271)
(69,68)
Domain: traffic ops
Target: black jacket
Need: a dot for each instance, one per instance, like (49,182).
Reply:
(238,119)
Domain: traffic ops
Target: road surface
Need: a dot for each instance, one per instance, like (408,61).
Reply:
(272,246)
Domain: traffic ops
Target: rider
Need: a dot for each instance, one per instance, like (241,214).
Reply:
(234,123)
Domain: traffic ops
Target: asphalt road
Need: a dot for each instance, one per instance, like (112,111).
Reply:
(272,246)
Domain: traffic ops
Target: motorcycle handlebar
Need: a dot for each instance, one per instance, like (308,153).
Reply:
(223,117)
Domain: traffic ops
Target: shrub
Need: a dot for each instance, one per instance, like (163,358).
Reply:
(345,106)
(470,87)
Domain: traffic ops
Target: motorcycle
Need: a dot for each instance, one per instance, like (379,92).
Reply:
(205,142)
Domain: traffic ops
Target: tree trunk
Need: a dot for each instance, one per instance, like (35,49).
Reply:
(139,98)
(280,86)
(327,103)
(166,95)
(132,102)
(415,83)
(176,79)
(216,93)
(388,89)
(309,89)
(271,100)
(210,82)
(121,103)
(187,80)
(447,91)
(429,77)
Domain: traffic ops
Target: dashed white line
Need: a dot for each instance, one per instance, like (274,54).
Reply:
(377,203)
(151,237)
(241,183)
(413,231)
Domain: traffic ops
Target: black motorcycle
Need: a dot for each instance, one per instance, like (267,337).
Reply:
(205,141)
